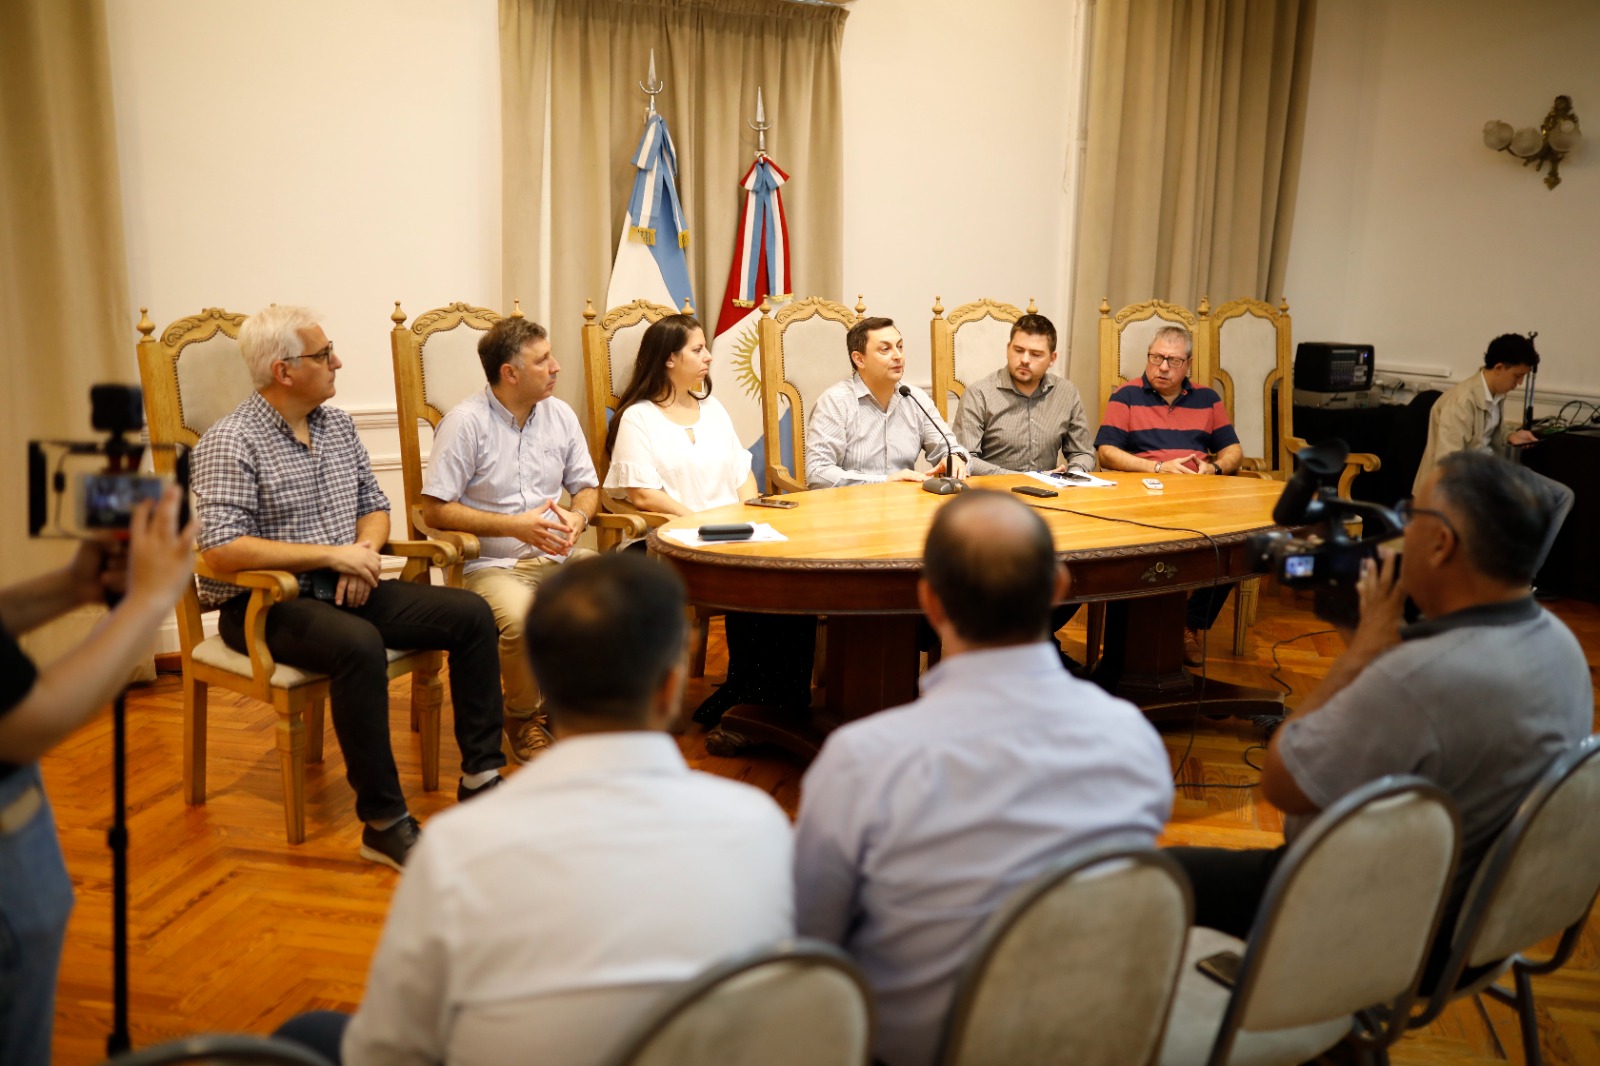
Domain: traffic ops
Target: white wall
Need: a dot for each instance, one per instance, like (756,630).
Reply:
(960,135)
(339,154)
(1413,236)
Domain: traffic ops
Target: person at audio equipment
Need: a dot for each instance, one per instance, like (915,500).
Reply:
(39,708)
(1023,417)
(871,428)
(916,823)
(1477,697)
(1165,424)
(284,483)
(500,461)
(1471,416)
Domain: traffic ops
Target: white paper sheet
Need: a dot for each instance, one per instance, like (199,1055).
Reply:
(690,538)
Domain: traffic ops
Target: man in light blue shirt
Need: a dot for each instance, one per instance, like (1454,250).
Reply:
(917,823)
(864,431)
(501,459)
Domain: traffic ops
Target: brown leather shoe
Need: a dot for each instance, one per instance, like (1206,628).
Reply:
(526,737)
(1193,652)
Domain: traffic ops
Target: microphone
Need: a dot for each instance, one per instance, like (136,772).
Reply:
(941,486)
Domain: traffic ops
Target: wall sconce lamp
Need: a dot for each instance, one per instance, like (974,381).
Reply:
(1550,143)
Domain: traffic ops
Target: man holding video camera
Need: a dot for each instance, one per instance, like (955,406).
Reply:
(1477,697)
(283,483)
(41,708)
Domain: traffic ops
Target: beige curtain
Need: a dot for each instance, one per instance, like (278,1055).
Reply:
(569,73)
(1196,113)
(63,275)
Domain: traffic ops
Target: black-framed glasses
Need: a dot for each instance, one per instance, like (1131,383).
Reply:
(319,357)
(1405,509)
(1166,360)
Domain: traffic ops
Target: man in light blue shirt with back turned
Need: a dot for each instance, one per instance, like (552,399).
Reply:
(918,822)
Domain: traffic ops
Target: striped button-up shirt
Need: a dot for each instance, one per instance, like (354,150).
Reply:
(482,459)
(252,478)
(850,440)
(1008,432)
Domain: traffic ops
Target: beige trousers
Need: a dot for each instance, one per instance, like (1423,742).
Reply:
(510,590)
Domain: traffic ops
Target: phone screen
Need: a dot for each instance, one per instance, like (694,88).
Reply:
(1223,967)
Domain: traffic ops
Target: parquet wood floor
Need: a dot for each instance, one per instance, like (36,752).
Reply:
(232,929)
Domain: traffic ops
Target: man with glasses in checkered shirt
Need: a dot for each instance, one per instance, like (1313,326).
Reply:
(284,483)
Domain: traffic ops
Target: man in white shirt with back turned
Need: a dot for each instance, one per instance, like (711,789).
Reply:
(916,823)
(539,926)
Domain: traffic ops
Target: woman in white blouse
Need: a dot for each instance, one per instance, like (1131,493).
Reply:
(673,449)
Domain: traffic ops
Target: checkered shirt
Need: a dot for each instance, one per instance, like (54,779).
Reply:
(252,478)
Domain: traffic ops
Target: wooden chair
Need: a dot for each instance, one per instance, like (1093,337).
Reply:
(803,352)
(800,1003)
(610,346)
(192,376)
(1124,343)
(968,345)
(436,366)
(1080,965)
(1252,351)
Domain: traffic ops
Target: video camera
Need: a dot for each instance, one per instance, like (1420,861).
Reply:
(1328,559)
(88,489)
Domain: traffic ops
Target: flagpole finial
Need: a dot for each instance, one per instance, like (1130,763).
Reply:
(652,85)
(760,125)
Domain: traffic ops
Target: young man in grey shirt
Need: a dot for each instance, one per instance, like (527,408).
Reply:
(1477,697)
(1024,418)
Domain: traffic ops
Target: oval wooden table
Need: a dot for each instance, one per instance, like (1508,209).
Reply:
(854,554)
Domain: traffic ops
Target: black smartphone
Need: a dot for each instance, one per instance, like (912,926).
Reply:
(1223,967)
(728,531)
(324,585)
(1035,490)
(770,501)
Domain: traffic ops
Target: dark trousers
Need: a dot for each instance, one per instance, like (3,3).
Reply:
(320,1030)
(347,643)
(770,657)
(1204,606)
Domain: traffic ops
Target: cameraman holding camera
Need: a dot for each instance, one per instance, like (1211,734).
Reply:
(39,709)
(1477,697)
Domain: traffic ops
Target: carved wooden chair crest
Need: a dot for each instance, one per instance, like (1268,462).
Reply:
(803,352)
(968,344)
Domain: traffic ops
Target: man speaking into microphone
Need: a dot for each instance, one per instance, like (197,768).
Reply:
(870,428)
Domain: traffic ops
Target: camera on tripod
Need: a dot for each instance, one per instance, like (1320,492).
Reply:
(1327,559)
(88,489)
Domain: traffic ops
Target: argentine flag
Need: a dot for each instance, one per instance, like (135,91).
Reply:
(651,260)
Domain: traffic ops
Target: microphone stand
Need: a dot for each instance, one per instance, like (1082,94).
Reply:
(945,485)
(120,457)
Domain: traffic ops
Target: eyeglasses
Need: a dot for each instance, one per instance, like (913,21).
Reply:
(1166,360)
(1405,509)
(319,357)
